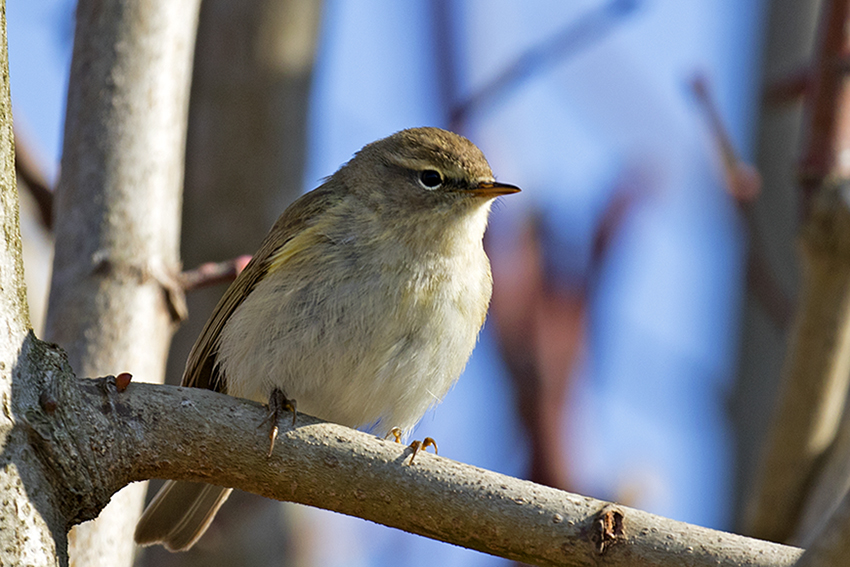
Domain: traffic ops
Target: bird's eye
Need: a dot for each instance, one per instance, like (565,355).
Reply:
(430,179)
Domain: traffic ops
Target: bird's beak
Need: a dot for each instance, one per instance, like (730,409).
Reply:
(494,189)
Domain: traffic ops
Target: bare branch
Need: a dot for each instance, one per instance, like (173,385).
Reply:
(579,34)
(30,534)
(817,370)
(212,273)
(744,183)
(199,435)
(816,377)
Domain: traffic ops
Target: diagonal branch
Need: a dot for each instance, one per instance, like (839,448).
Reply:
(97,439)
(585,30)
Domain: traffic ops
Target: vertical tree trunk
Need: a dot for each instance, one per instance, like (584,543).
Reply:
(789,37)
(816,375)
(32,532)
(114,299)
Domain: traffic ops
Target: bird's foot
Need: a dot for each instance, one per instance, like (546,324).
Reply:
(416,446)
(278,403)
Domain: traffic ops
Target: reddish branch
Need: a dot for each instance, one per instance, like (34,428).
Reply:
(213,273)
(828,114)
(743,183)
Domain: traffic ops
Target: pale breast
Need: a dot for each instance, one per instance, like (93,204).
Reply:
(363,345)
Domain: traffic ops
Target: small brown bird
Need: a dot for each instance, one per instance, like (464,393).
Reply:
(363,303)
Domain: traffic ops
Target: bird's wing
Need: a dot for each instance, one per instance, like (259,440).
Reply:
(201,369)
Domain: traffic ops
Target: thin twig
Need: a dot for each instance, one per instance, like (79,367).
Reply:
(579,34)
(213,273)
(743,183)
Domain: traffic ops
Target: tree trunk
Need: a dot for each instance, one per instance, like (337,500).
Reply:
(114,300)
(32,531)
(791,28)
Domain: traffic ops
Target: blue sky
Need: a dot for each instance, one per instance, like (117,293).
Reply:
(40,39)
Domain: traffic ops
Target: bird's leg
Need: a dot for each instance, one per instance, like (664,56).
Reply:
(416,446)
(278,403)
(395,432)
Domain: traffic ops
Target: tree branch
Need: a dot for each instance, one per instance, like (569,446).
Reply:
(30,531)
(213,273)
(99,439)
(816,376)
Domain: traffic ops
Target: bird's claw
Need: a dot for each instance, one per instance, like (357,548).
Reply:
(395,432)
(416,446)
(278,403)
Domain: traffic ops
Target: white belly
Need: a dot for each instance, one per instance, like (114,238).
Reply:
(360,350)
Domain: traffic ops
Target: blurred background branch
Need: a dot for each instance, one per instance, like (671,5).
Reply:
(816,375)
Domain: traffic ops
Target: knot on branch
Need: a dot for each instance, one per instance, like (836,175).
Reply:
(142,273)
(608,528)
(71,434)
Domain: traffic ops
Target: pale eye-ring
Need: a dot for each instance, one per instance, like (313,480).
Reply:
(430,178)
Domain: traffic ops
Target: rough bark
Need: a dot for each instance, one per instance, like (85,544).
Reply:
(113,300)
(113,437)
(32,528)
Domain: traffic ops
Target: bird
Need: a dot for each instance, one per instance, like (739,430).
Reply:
(362,305)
